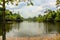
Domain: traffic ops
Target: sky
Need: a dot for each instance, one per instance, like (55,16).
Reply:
(31,11)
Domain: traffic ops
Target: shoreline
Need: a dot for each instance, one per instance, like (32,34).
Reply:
(57,37)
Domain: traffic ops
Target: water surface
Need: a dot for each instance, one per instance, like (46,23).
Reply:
(29,29)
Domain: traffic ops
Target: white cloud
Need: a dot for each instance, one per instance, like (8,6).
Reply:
(37,9)
(28,11)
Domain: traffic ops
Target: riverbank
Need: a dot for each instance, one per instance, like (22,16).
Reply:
(56,37)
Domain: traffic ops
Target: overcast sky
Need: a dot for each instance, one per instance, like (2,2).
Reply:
(31,11)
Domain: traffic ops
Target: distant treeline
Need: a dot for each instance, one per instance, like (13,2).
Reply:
(50,16)
(9,16)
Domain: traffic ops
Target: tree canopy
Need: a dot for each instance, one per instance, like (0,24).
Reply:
(58,3)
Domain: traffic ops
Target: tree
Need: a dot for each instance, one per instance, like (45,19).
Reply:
(50,16)
(2,2)
(57,15)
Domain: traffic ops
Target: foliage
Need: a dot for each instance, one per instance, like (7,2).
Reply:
(13,17)
(57,2)
(39,18)
(9,16)
(57,15)
(52,16)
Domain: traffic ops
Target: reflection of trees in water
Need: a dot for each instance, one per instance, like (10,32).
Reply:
(4,28)
(46,27)
(18,26)
(57,26)
(52,27)
(7,27)
(49,27)
(0,29)
(41,28)
(3,31)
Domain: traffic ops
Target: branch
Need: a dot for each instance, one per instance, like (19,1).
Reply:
(58,6)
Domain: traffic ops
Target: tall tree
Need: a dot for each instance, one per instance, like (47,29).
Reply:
(2,2)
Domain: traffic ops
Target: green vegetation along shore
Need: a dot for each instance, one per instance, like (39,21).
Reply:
(9,16)
(50,16)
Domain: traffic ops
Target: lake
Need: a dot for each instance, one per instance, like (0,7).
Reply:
(31,29)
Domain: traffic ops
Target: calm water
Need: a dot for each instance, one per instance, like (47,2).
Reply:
(25,29)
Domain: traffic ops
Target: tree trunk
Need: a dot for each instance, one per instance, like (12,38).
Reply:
(3,25)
